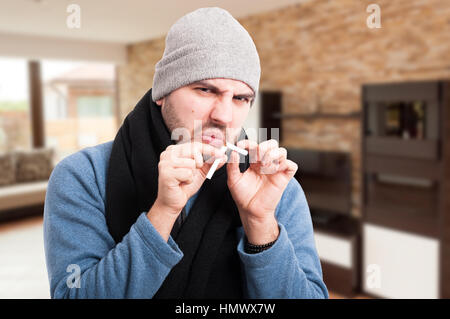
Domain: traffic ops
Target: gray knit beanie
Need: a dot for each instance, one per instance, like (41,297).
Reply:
(205,44)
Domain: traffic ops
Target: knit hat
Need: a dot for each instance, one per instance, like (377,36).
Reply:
(205,44)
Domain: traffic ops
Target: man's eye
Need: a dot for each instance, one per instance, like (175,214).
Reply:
(206,90)
(243,99)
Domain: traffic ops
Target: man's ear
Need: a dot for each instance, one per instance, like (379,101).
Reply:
(160,101)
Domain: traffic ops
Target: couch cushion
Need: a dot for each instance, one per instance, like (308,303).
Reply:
(7,169)
(21,195)
(34,165)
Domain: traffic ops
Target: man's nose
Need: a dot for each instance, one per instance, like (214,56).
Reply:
(222,112)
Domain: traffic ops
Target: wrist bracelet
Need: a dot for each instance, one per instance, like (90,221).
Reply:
(253,249)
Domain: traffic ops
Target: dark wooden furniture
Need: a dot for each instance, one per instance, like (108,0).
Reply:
(342,231)
(325,178)
(270,103)
(406,162)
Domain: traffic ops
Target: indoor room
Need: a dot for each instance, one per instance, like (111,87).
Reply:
(356,91)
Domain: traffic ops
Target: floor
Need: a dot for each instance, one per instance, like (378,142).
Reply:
(23,272)
(22,266)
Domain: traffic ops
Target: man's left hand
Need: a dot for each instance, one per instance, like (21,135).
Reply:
(258,190)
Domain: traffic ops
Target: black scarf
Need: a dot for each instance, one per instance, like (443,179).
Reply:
(210,267)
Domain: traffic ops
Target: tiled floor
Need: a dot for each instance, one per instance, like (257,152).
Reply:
(23,272)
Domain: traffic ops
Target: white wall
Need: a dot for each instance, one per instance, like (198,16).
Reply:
(37,47)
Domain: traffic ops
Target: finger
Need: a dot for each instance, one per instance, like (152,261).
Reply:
(167,153)
(288,167)
(206,152)
(198,159)
(207,149)
(266,146)
(195,150)
(184,162)
(252,148)
(183,175)
(274,156)
(197,155)
(184,150)
(272,159)
(233,171)
(177,154)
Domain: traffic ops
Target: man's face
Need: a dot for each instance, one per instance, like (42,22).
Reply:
(212,110)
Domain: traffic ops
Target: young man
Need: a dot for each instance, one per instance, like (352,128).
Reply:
(137,218)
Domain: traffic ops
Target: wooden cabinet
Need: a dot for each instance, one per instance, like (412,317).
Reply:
(337,244)
(405,182)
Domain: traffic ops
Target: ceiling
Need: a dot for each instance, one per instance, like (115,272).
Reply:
(119,21)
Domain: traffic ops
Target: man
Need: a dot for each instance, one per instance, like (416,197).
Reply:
(137,217)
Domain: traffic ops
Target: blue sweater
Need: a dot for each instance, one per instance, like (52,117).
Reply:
(78,244)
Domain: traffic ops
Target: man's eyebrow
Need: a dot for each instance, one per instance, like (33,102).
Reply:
(216,89)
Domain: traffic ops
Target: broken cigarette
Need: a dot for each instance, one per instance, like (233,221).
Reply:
(215,164)
(217,161)
(237,149)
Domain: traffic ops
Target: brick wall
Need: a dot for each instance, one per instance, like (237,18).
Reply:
(318,54)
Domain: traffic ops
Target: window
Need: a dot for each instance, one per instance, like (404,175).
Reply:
(95,106)
(79,105)
(15,126)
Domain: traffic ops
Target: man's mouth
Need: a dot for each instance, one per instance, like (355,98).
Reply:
(213,138)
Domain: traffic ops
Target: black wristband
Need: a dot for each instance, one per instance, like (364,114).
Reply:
(254,249)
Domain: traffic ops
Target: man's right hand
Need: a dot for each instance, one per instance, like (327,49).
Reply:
(182,171)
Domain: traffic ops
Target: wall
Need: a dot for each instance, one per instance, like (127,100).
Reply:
(318,54)
(38,47)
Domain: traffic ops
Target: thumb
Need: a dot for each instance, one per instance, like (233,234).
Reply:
(233,170)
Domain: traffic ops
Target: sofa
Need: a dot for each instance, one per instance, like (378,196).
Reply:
(24,177)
